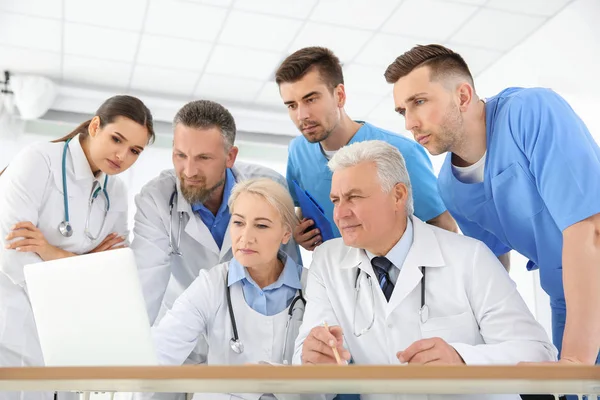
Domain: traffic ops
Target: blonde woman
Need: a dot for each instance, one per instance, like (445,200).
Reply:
(250,308)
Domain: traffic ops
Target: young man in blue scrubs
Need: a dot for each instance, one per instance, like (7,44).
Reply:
(522,172)
(311,84)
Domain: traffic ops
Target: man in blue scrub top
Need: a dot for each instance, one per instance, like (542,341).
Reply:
(522,173)
(311,84)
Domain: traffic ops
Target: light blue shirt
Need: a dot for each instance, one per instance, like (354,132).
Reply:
(271,299)
(398,253)
(308,166)
(217,224)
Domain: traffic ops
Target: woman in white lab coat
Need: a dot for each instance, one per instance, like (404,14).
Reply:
(61,199)
(248,309)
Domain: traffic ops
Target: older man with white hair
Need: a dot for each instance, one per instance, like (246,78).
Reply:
(396,290)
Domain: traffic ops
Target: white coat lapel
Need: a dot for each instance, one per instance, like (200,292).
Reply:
(424,252)
(357,258)
(226,246)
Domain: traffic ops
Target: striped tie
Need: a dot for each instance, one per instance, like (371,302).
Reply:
(381,266)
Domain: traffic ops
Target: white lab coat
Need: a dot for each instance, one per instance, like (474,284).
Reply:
(31,190)
(202,312)
(164,277)
(473,305)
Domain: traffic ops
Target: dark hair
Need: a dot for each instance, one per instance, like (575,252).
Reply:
(208,114)
(117,106)
(441,60)
(298,64)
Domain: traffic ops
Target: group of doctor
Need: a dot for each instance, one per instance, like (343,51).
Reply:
(216,241)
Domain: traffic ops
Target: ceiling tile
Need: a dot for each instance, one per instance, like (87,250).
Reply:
(160,80)
(362,79)
(40,8)
(354,13)
(384,48)
(184,20)
(226,87)
(344,42)
(256,31)
(218,3)
(269,95)
(130,15)
(476,58)
(102,43)
(243,63)
(431,19)
(358,107)
(16,30)
(472,2)
(536,7)
(96,71)
(296,8)
(483,30)
(28,61)
(173,53)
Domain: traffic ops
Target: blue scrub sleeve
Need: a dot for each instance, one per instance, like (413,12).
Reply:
(290,176)
(427,201)
(473,230)
(563,157)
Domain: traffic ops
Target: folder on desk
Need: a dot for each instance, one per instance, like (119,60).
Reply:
(312,210)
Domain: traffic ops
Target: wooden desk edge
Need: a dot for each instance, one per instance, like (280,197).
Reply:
(259,372)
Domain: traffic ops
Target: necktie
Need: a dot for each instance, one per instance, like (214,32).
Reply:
(381,266)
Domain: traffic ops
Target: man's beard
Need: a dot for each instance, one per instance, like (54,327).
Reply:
(317,137)
(198,194)
(449,135)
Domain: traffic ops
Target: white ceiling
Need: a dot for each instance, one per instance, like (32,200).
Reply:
(228,50)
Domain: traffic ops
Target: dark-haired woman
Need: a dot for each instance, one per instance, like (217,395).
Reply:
(58,200)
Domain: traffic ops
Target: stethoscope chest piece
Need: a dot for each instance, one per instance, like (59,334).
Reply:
(237,346)
(65,229)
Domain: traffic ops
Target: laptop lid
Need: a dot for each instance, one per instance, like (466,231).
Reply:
(90,311)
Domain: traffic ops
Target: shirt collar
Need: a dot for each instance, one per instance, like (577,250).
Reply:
(290,276)
(398,253)
(81,166)
(228,186)
(361,133)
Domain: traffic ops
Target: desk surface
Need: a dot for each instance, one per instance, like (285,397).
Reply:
(308,379)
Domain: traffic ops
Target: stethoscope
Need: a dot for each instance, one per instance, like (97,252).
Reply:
(236,344)
(423,311)
(174,249)
(65,227)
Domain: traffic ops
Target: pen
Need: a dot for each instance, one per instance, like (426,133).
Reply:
(333,348)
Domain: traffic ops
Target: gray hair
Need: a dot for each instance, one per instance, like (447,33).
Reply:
(273,192)
(391,168)
(204,114)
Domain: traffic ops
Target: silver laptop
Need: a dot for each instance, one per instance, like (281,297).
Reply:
(90,311)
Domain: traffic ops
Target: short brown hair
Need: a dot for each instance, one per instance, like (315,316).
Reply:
(441,60)
(298,64)
(205,114)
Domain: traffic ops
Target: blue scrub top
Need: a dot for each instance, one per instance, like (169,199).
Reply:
(542,174)
(308,166)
